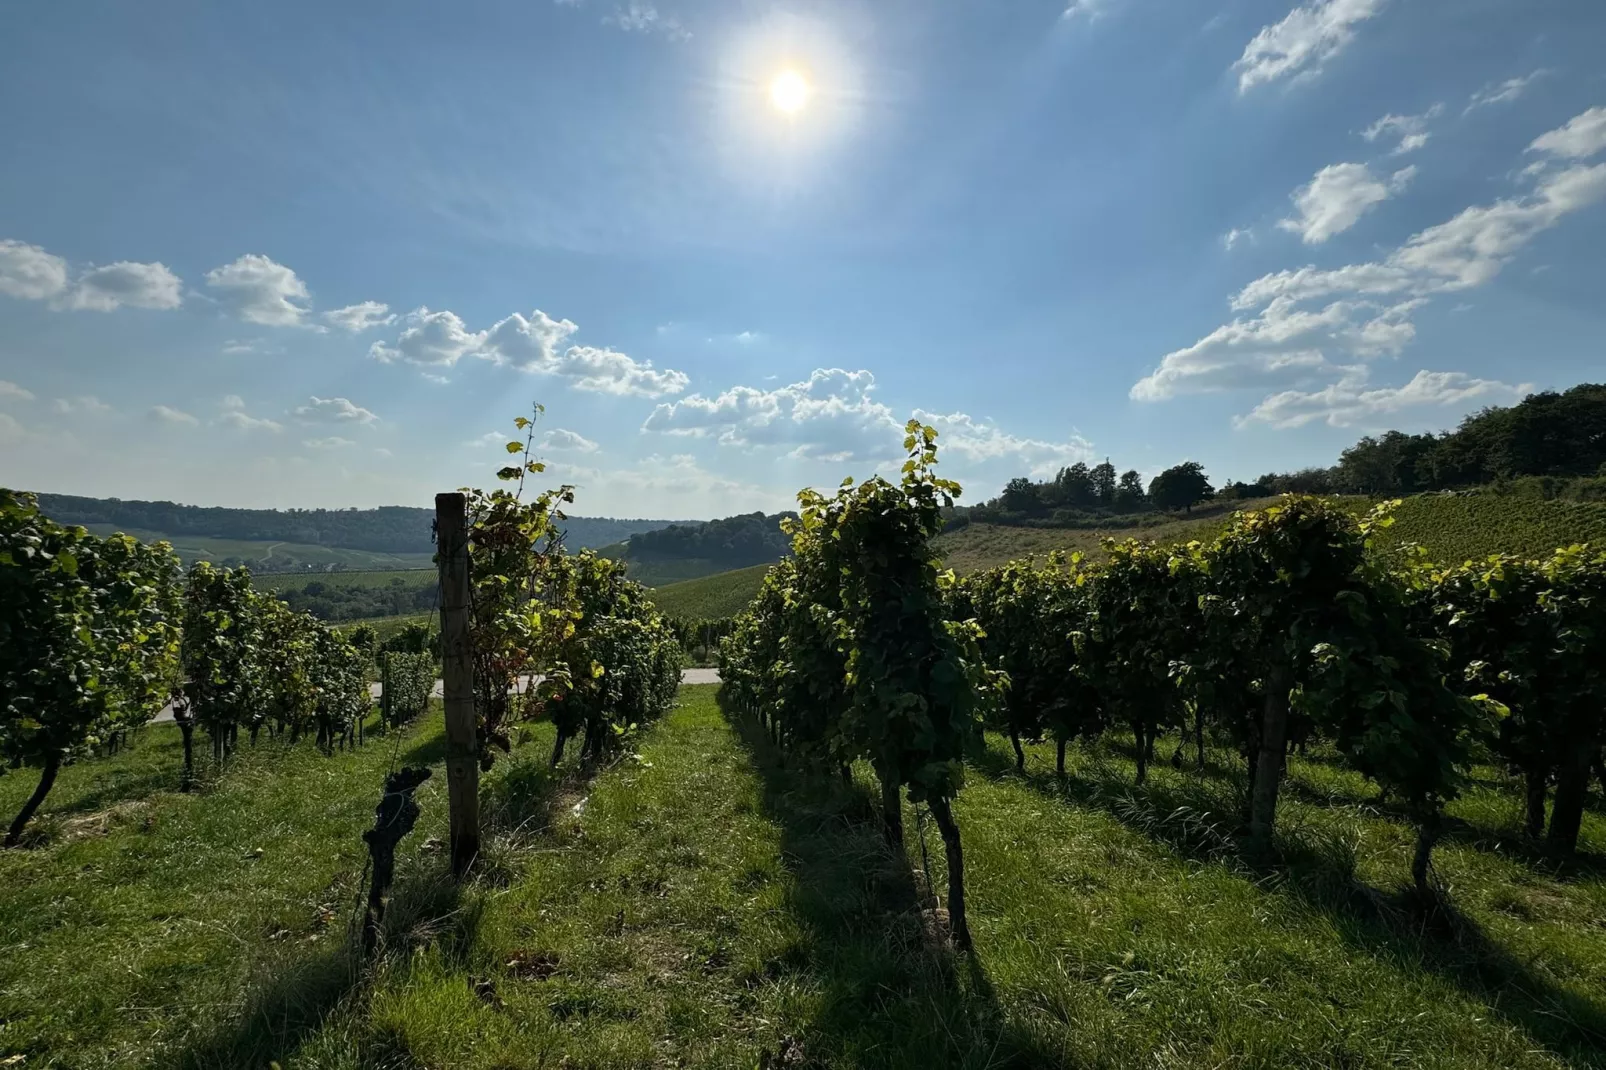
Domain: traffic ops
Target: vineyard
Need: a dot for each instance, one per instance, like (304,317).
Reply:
(1288,794)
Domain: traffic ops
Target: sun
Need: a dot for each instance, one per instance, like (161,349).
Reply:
(790,92)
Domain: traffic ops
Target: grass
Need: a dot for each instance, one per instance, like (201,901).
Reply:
(722,595)
(702,905)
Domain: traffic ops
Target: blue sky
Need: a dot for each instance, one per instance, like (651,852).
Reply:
(312,254)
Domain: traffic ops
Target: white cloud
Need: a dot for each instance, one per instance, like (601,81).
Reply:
(27,271)
(1311,325)
(560,439)
(1410,129)
(1303,41)
(1583,136)
(430,338)
(530,344)
(331,443)
(125,283)
(360,317)
(831,415)
(81,403)
(1348,401)
(674,487)
(1502,92)
(1337,197)
(1088,9)
(641,17)
(167,415)
(11,431)
(234,347)
(334,411)
(234,415)
(261,291)
(980,441)
(12,390)
(1236,235)
(490,438)
(381,451)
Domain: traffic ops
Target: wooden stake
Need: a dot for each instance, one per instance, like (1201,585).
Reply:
(457,675)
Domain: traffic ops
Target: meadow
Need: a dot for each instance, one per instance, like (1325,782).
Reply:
(698,903)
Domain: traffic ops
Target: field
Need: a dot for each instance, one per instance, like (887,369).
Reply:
(698,905)
(365,580)
(723,594)
(272,556)
(1456,528)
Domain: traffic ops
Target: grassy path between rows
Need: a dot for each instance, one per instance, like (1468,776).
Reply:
(698,905)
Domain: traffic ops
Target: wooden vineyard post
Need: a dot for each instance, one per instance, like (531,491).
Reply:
(457,674)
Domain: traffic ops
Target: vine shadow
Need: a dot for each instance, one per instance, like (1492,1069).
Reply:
(293,997)
(1203,823)
(894,994)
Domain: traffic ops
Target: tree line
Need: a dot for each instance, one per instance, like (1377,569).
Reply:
(1548,445)
(732,542)
(391,529)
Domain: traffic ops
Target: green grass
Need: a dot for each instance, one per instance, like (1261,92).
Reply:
(700,905)
(278,556)
(721,595)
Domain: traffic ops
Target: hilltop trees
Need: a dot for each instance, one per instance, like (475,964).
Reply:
(1180,487)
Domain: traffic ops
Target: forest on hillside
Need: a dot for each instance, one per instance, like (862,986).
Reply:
(733,542)
(393,529)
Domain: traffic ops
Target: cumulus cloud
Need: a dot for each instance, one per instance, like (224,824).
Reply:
(334,411)
(362,316)
(233,414)
(12,390)
(260,290)
(1410,129)
(829,416)
(562,440)
(166,414)
(1236,235)
(125,283)
(979,441)
(1583,136)
(641,17)
(1306,38)
(28,272)
(1311,325)
(333,442)
(1349,401)
(534,344)
(85,403)
(1502,92)
(1337,197)
(833,416)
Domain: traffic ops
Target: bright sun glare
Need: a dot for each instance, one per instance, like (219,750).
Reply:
(789,92)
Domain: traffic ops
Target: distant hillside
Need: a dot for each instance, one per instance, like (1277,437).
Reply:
(687,551)
(723,595)
(393,529)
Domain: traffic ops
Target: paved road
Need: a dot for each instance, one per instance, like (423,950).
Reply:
(687,676)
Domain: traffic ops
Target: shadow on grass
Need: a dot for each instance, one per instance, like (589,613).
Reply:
(893,995)
(295,995)
(1201,821)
